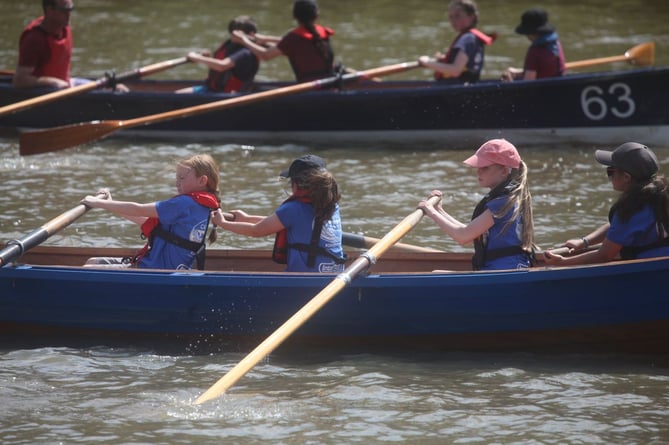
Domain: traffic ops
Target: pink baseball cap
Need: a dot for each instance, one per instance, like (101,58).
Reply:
(495,151)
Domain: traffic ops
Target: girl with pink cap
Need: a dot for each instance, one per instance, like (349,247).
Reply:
(501,227)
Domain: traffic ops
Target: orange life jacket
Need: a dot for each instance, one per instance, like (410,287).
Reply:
(225,81)
(486,39)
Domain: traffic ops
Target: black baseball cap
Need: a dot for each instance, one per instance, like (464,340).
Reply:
(632,157)
(302,164)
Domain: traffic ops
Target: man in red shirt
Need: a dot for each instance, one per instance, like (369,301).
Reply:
(45,48)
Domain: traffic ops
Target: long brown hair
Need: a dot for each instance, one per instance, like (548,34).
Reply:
(521,198)
(653,192)
(321,187)
(306,13)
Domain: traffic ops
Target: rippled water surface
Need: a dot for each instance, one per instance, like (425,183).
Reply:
(129,396)
(133,396)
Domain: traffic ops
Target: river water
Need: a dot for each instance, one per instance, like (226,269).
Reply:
(109,395)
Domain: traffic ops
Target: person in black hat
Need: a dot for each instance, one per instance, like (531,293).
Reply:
(307,47)
(544,57)
(307,224)
(638,224)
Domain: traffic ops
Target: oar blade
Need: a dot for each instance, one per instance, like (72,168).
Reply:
(642,55)
(67,136)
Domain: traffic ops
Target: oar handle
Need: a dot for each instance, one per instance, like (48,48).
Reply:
(308,310)
(16,248)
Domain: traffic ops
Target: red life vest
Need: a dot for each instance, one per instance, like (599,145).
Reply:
(57,64)
(486,39)
(149,226)
(280,250)
(323,32)
(225,81)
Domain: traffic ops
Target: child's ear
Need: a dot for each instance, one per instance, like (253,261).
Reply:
(203,180)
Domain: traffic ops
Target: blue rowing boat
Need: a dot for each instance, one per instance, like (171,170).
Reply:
(600,108)
(46,298)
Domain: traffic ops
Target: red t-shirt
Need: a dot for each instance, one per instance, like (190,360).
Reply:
(306,59)
(50,55)
(542,60)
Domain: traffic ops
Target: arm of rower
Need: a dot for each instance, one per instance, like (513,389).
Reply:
(264,227)
(607,251)
(595,237)
(23,78)
(261,52)
(264,39)
(449,69)
(463,233)
(212,63)
(530,75)
(131,211)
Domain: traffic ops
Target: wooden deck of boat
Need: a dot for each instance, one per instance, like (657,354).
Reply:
(255,260)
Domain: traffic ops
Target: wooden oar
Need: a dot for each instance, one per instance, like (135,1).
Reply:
(566,251)
(59,138)
(366,242)
(361,264)
(642,55)
(16,248)
(101,82)
(349,70)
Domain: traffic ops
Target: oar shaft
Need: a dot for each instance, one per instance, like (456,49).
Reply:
(263,95)
(591,62)
(300,317)
(60,138)
(271,342)
(365,242)
(18,247)
(49,97)
(101,82)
